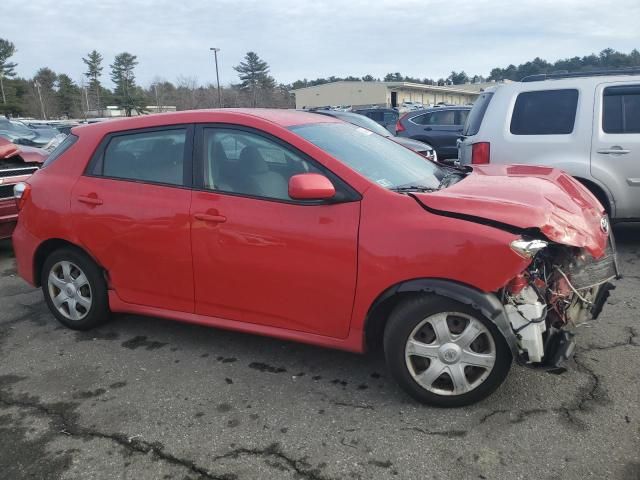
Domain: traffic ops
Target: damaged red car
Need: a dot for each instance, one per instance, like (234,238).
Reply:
(306,228)
(17,163)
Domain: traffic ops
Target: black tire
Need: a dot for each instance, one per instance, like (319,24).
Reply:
(406,317)
(98,312)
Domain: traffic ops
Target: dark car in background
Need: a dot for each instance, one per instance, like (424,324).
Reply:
(439,126)
(359,120)
(387,117)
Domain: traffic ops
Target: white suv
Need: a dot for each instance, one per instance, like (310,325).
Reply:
(586,124)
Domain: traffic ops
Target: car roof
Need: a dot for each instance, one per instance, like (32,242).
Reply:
(438,109)
(374,110)
(282,117)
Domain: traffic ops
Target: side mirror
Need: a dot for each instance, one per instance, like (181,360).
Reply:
(311,186)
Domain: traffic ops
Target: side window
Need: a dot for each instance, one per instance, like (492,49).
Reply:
(156,156)
(621,109)
(389,118)
(377,116)
(444,117)
(545,112)
(461,117)
(421,119)
(245,163)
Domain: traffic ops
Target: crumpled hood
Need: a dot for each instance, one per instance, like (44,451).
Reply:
(524,197)
(9,150)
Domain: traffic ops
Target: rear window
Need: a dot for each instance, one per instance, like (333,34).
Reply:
(154,156)
(60,149)
(621,109)
(476,115)
(545,112)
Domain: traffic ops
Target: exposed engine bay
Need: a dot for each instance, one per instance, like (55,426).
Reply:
(562,288)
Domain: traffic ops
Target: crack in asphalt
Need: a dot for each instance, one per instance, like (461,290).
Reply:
(66,425)
(630,341)
(301,467)
(439,433)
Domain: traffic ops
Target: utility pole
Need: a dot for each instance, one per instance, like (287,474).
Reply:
(4,99)
(215,55)
(37,85)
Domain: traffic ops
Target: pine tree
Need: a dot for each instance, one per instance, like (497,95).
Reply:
(126,93)
(254,74)
(68,94)
(7,50)
(93,73)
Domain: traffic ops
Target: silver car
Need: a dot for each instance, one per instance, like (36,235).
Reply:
(586,124)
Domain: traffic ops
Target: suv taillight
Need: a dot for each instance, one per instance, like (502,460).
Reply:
(21,193)
(399,126)
(480,153)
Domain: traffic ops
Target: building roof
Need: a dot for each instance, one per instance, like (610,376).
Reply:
(406,85)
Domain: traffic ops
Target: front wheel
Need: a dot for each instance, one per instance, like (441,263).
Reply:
(445,353)
(74,289)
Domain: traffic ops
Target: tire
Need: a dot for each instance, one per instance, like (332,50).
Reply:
(77,296)
(442,375)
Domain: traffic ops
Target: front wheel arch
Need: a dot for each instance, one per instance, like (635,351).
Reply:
(486,303)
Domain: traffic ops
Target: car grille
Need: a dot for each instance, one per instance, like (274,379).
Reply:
(6,191)
(16,172)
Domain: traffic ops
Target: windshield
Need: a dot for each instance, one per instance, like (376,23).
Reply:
(379,159)
(365,122)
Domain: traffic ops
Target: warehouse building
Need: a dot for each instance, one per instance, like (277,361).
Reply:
(382,94)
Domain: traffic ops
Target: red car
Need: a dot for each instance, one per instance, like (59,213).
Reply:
(306,228)
(17,163)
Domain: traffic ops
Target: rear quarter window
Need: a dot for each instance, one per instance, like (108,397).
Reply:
(621,109)
(545,112)
(60,149)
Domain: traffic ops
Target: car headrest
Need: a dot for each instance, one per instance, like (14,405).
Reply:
(252,160)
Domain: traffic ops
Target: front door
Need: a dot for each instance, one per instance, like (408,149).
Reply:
(615,149)
(259,256)
(131,211)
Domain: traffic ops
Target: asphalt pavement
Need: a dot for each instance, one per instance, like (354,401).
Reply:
(145,398)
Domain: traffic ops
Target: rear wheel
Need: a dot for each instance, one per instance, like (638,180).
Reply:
(445,353)
(75,289)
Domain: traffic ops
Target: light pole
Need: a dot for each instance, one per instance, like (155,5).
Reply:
(215,55)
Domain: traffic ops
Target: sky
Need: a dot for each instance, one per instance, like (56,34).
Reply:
(310,39)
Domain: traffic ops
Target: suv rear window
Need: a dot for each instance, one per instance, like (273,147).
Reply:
(545,112)
(476,115)
(621,109)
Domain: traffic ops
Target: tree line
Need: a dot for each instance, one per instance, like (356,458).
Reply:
(51,95)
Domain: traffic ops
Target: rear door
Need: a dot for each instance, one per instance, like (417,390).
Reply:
(259,256)
(131,211)
(615,153)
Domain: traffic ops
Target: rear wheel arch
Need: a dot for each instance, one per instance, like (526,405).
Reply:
(599,192)
(49,246)
(487,304)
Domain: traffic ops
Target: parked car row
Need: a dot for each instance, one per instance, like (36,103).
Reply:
(587,124)
(303,226)
(363,121)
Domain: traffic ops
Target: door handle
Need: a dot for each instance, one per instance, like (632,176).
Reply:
(89,200)
(205,217)
(428,129)
(616,150)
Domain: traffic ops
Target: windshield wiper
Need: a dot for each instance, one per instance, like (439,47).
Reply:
(413,188)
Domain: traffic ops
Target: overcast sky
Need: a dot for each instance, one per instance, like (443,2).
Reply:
(310,39)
